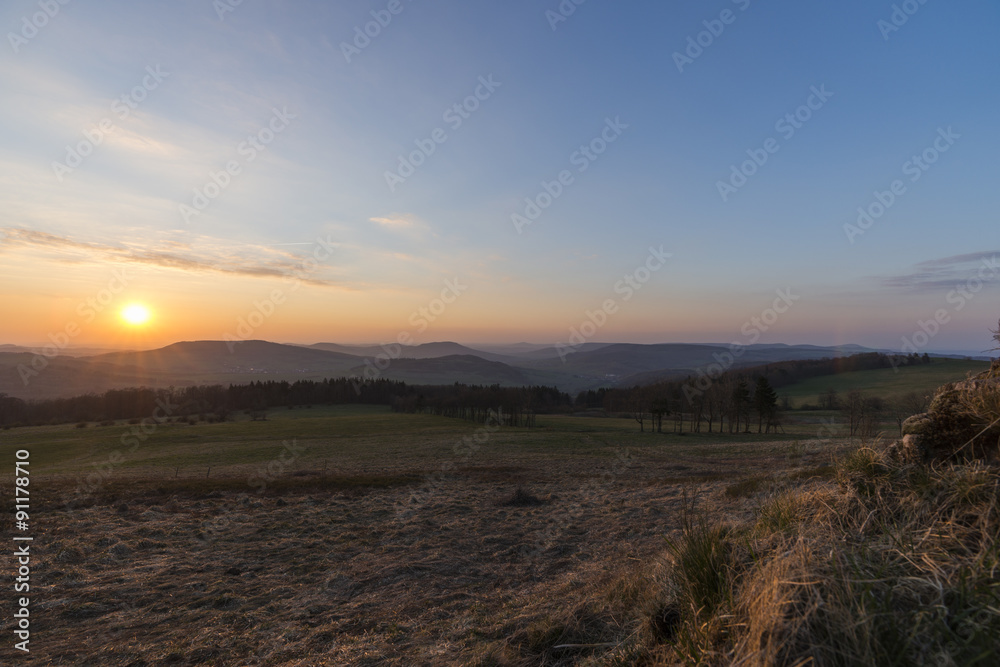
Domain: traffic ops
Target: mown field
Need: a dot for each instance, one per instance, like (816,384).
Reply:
(357,536)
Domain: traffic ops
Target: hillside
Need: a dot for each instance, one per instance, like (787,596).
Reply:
(179,365)
(885,383)
(209,358)
(63,376)
(629,363)
(465,369)
(423,351)
(593,366)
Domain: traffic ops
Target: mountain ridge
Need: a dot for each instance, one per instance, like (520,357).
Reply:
(28,375)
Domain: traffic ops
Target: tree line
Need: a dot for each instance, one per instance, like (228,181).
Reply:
(519,405)
(743,400)
(736,400)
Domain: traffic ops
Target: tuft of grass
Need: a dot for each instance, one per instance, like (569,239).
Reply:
(521,498)
(703,569)
(701,581)
(779,513)
(895,565)
(745,488)
(864,470)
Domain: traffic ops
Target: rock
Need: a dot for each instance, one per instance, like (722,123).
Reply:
(958,424)
(907,450)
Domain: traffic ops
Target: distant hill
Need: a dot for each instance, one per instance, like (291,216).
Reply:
(66,351)
(179,365)
(632,364)
(463,368)
(626,360)
(209,357)
(423,351)
(64,376)
(213,362)
(533,351)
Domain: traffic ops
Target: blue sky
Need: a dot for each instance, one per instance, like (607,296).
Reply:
(343,125)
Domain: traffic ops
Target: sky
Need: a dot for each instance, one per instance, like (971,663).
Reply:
(636,171)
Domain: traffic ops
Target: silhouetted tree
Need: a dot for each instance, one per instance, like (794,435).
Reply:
(741,404)
(829,400)
(765,401)
(658,408)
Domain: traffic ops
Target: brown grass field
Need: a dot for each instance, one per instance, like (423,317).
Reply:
(371,538)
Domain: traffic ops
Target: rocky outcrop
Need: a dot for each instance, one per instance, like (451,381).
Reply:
(961,422)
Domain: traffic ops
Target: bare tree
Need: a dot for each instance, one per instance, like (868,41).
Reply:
(659,407)
(853,408)
(637,404)
(871,411)
(829,400)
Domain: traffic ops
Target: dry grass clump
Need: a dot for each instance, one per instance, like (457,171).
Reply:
(888,564)
(896,565)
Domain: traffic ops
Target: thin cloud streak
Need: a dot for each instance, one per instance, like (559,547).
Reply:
(287,266)
(938,274)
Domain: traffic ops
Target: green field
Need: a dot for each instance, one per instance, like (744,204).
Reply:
(349,438)
(886,383)
(372,438)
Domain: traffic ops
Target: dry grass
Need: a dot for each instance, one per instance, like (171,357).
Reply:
(339,570)
(889,564)
(771,558)
(893,565)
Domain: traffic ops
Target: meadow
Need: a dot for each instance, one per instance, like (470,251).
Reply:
(337,535)
(885,383)
(358,536)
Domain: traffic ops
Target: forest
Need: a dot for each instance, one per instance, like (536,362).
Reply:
(735,400)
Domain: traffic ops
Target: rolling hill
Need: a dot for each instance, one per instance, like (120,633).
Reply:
(208,357)
(180,364)
(215,362)
(629,363)
(463,368)
(423,351)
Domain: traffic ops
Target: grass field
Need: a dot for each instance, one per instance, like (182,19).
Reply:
(886,383)
(376,538)
(357,536)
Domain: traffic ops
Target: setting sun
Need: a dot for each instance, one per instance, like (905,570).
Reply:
(136,314)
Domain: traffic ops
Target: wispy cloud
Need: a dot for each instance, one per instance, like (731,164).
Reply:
(944,273)
(256,261)
(397,221)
